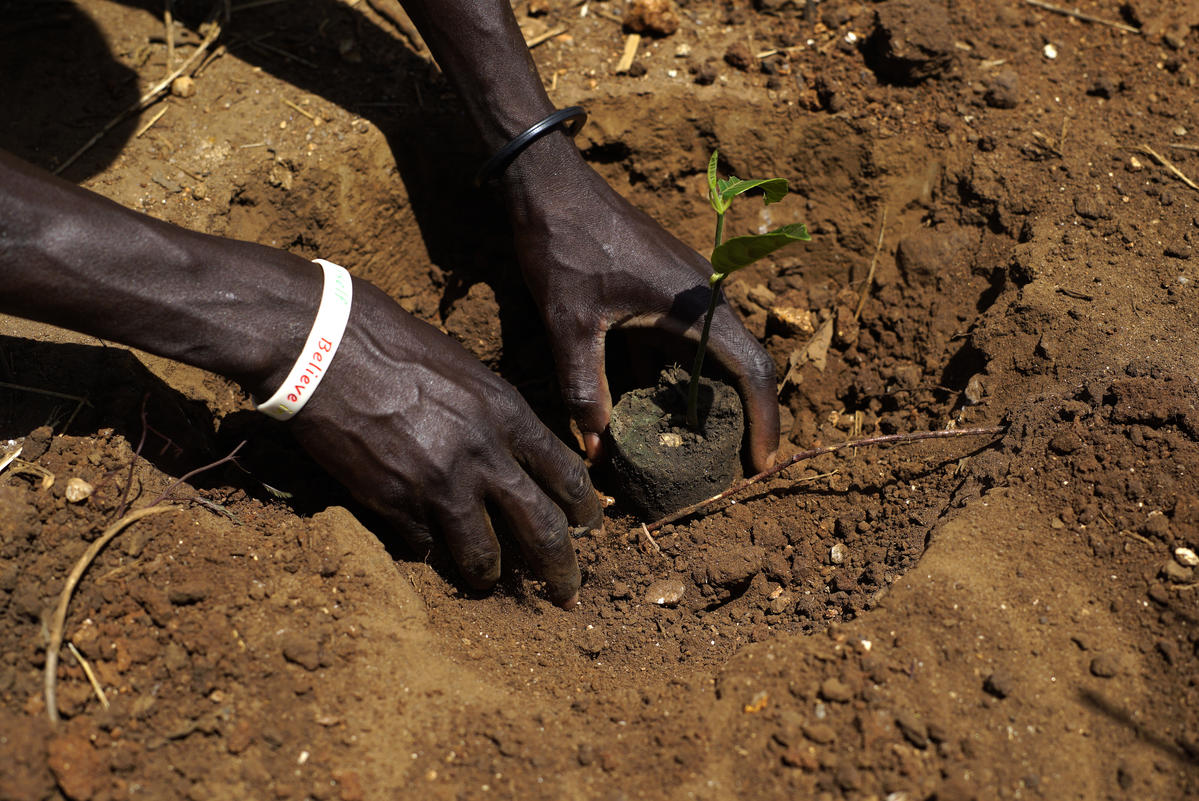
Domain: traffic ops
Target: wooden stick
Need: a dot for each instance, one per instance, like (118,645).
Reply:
(147,98)
(650,537)
(1165,162)
(169,23)
(1065,12)
(545,37)
(882,227)
(814,452)
(630,52)
(293,106)
(50,674)
(150,124)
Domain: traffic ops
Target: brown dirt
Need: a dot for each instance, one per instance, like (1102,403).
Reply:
(1002,620)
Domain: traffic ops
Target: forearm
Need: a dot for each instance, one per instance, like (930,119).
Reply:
(74,259)
(480,48)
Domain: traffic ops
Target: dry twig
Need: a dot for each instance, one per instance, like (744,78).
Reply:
(1165,162)
(813,453)
(1066,12)
(91,676)
(296,108)
(545,37)
(878,248)
(630,52)
(50,674)
(650,537)
(150,124)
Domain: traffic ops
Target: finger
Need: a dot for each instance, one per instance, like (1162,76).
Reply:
(585,385)
(540,528)
(752,369)
(413,530)
(560,474)
(471,540)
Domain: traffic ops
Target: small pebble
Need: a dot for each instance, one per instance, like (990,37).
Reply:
(78,490)
(665,592)
(183,86)
(1186,557)
(1049,51)
(837,554)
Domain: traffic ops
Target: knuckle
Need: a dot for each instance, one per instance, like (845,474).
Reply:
(576,484)
(549,529)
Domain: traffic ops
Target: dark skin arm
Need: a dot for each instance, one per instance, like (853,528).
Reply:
(591,260)
(412,425)
(404,417)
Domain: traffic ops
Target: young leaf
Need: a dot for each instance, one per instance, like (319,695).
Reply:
(775,189)
(713,191)
(741,251)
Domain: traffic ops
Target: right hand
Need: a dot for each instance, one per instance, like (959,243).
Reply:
(422,433)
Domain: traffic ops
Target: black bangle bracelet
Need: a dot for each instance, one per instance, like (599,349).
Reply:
(504,156)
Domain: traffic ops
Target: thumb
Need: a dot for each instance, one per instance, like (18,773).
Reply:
(584,382)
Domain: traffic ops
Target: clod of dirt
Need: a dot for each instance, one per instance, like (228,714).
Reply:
(1173,571)
(652,17)
(37,443)
(911,42)
(912,728)
(738,56)
(819,733)
(835,690)
(1000,684)
(78,767)
(933,251)
(187,593)
(1003,91)
(303,651)
(1105,666)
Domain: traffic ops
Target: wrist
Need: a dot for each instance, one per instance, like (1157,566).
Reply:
(545,173)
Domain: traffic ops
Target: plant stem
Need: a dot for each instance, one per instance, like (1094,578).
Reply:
(697,365)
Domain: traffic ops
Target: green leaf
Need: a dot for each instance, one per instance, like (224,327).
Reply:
(741,251)
(775,189)
(713,191)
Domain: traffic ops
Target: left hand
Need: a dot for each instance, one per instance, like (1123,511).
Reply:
(594,262)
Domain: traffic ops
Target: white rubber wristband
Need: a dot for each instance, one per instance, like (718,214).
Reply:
(327,330)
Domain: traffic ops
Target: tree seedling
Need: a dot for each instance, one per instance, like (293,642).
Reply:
(737,252)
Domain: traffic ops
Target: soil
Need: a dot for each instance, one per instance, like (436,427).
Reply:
(660,464)
(953,620)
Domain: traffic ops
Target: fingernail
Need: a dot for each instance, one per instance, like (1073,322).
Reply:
(592,446)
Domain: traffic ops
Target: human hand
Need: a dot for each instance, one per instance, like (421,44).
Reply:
(422,433)
(595,262)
